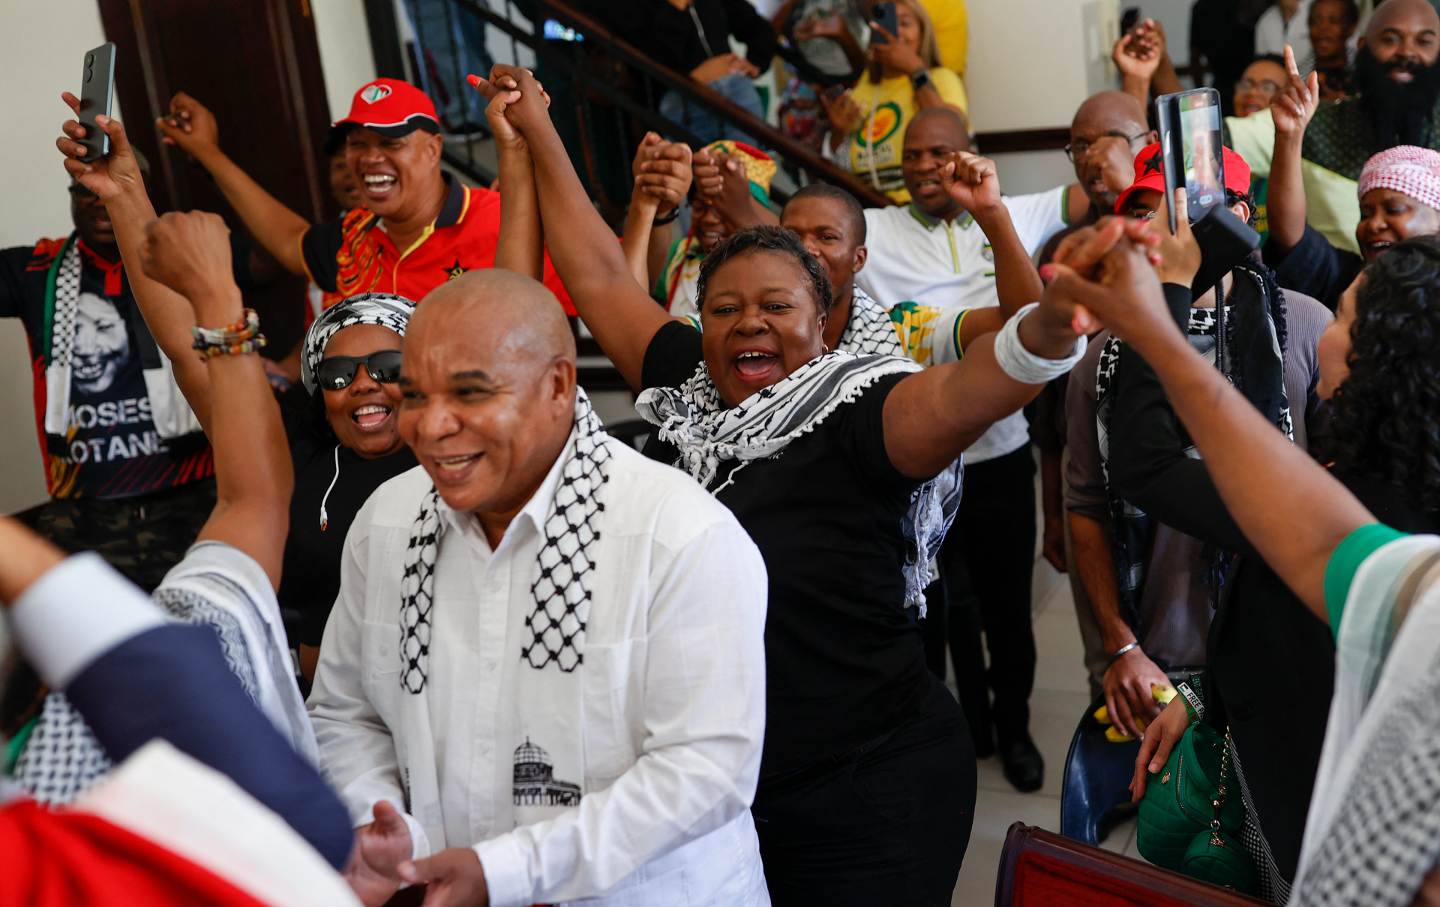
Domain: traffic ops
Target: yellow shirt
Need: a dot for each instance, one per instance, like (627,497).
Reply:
(952,31)
(873,151)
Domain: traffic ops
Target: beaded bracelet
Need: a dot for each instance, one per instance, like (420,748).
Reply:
(235,339)
(253,345)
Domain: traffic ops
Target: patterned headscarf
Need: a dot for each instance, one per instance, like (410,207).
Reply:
(1405,168)
(384,309)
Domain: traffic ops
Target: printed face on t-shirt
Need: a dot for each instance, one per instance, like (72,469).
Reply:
(102,345)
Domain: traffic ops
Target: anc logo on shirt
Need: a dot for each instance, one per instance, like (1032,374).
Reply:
(880,126)
(373,93)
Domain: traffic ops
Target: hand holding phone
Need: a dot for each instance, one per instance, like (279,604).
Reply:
(97,95)
(1191,142)
(888,19)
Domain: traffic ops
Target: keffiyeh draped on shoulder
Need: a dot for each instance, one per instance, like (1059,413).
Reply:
(708,434)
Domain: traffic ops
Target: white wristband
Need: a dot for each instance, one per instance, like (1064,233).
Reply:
(1024,366)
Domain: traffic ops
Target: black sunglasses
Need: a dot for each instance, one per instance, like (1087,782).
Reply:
(336,372)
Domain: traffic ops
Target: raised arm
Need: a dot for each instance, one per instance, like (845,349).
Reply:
(932,416)
(1293,512)
(522,244)
(974,184)
(720,180)
(190,253)
(661,171)
(616,309)
(1291,112)
(192,127)
(117,180)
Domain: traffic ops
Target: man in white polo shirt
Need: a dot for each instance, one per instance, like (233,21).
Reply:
(934,253)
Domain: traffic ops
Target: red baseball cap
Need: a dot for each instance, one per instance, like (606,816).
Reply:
(1150,174)
(390,107)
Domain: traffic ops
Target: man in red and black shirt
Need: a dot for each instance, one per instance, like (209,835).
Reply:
(419,226)
(128,471)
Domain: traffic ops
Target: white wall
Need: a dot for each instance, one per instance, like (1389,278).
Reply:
(345,56)
(1031,64)
(42,45)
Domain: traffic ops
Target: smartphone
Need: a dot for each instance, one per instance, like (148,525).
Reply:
(1129,19)
(1190,142)
(97,94)
(885,16)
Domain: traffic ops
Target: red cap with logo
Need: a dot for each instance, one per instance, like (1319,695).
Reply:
(390,107)
(1150,174)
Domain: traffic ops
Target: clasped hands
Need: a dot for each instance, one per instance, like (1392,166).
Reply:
(381,863)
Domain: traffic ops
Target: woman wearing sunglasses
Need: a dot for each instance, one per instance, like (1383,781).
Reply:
(344,444)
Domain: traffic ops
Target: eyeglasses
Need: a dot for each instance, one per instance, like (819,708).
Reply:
(1078,149)
(1266,87)
(336,372)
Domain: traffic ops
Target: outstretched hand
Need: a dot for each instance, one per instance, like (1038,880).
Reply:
(380,847)
(972,181)
(1139,51)
(1293,108)
(109,177)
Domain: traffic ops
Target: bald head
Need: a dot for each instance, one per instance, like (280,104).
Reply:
(1403,16)
(946,121)
(1108,111)
(518,313)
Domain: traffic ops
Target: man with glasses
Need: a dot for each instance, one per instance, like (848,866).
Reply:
(1105,134)
(129,473)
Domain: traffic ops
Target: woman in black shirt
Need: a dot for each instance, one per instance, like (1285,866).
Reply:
(344,445)
(867,779)
(1271,663)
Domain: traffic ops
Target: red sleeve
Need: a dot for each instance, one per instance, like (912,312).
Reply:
(57,859)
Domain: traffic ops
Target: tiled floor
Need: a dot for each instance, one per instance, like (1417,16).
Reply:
(1061,695)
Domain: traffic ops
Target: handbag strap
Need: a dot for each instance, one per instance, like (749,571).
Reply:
(1221,792)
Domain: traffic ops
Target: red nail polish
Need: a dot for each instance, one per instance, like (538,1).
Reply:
(1047,272)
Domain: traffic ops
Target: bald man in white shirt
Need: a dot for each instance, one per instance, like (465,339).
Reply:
(547,651)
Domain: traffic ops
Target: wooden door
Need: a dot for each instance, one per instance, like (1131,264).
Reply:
(256,64)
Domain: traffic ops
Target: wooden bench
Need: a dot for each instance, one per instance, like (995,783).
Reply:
(1039,868)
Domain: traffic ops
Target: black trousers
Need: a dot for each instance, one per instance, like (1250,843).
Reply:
(986,566)
(885,824)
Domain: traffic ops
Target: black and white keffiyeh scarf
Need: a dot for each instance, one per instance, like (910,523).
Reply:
(707,433)
(386,310)
(1248,348)
(563,570)
(869,332)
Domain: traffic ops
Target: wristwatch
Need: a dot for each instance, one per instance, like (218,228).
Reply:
(921,79)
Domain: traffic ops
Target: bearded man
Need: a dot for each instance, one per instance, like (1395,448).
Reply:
(1398,85)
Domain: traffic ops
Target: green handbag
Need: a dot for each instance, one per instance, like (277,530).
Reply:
(1189,822)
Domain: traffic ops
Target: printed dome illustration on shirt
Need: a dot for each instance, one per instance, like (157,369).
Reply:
(535,783)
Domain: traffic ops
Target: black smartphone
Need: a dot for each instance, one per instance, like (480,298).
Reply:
(885,16)
(1129,19)
(1190,142)
(97,94)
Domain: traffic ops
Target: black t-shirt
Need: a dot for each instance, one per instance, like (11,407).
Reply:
(113,451)
(1314,267)
(310,577)
(844,660)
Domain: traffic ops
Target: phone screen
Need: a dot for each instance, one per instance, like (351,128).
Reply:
(1200,137)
